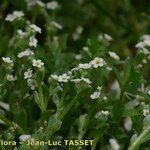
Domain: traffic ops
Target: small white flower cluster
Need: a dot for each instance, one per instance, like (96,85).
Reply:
(105,37)
(146,111)
(77,33)
(14,15)
(32,83)
(114,144)
(25,53)
(7,60)
(53,5)
(21,33)
(114,55)
(102,114)
(28,74)
(78,57)
(35,28)
(32,41)
(61,78)
(96,94)
(37,63)
(144,43)
(143,46)
(95,63)
(148,92)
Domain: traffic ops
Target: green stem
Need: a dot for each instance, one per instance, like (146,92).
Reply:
(138,141)
(60,115)
(41,98)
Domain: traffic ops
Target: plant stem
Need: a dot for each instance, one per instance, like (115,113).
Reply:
(41,99)
(138,141)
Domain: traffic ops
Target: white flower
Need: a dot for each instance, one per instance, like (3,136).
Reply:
(11,77)
(114,55)
(105,113)
(102,113)
(5,106)
(37,63)
(128,123)
(79,29)
(145,111)
(10,17)
(85,66)
(86,49)
(144,44)
(57,25)
(35,28)
(100,37)
(144,61)
(95,95)
(28,74)
(107,37)
(7,60)
(148,92)
(99,88)
(77,33)
(114,144)
(14,15)
(98,62)
(52,5)
(78,57)
(18,13)
(145,37)
(109,68)
(105,98)
(31,3)
(24,137)
(32,83)
(32,41)
(27,52)
(63,78)
(98,115)
(55,77)
(140,45)
(21,33)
